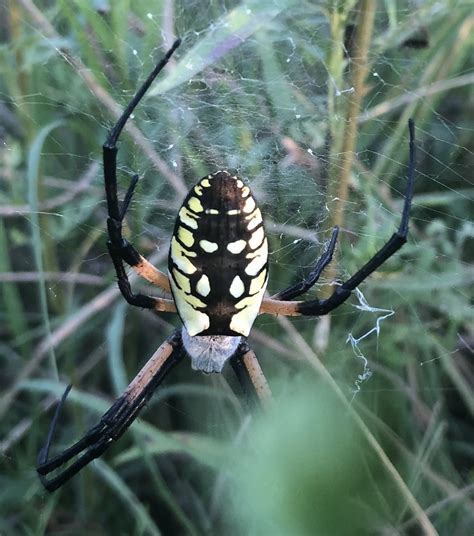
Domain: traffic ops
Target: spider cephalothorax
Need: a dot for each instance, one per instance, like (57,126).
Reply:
(218,272)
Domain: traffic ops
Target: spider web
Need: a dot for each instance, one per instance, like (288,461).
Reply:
(253,88)
(258,105)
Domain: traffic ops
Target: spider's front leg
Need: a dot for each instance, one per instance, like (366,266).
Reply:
(113,423)
(312,278)
(119,248)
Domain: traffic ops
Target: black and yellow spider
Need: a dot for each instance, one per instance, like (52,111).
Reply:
(217,275)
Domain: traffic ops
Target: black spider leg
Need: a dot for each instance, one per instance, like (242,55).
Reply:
(252,400)
(311,279)
(342,292)
(119,248)
(111,426)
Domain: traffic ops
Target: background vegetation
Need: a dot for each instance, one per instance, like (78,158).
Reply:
(310,101)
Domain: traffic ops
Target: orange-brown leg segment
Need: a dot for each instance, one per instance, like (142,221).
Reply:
(277,307)
(257,377)
(139,300)
(250,376)
(154,276)
(119,248)
(113,423)
(343,291)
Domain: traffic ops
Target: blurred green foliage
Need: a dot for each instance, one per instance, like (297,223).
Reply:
(305,471)
(261,88)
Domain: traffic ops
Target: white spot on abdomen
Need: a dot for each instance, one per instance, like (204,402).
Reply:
(207,246)
(203,286)
(237,287)
(236,247)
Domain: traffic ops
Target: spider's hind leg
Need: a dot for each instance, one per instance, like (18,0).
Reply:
(341,293)
(250,376)
(113,423)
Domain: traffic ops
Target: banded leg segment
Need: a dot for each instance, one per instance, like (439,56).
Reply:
(113,423)
(139,300)
(120,249)
(342,292)
(250,376)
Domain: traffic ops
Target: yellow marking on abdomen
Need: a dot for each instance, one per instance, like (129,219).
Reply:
(182,281)
(261,256)
(194,301)
(194,204)
(179,257)
(254,219)
(242,321)
(249,205)
(186,237)
(257,238)
(258,282)
(186,217)
(194,321)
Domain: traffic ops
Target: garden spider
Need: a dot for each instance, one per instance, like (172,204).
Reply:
(218,272)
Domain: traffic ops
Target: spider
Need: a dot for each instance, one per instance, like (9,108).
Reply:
(217,276)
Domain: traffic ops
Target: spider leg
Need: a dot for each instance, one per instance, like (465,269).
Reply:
(115,420)
(250,376)
(139,300)
(298,289)
(121,248)
(322,307)
(128,197)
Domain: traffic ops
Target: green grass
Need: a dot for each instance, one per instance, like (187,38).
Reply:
(277,104)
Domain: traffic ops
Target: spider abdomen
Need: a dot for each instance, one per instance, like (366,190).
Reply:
(218,261)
